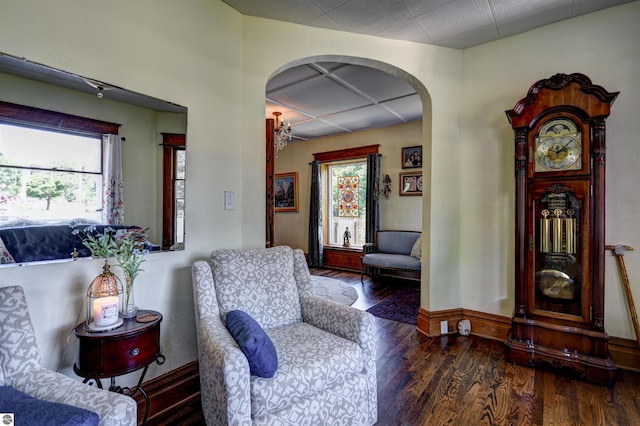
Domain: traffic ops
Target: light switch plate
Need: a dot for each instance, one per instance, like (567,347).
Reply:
(229,200)
(444,327)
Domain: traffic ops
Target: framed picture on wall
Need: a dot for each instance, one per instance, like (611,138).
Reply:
(412,157)
(411,183)
(285,190)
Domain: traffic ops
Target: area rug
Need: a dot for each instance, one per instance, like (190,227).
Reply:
(333,289)
(402,306)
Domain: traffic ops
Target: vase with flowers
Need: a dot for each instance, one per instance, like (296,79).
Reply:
(129,257)
(127,246)
(100,245)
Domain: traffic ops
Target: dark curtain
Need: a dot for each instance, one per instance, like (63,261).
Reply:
(315,218)
(373,184)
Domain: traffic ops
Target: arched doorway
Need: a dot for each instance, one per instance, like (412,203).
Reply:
(392,158)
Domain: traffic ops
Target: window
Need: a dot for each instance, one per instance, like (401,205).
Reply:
(174,169)
(345,196)
(49,176)
(50,164)
(180,162)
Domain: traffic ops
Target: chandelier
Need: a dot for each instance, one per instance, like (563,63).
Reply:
(281,134)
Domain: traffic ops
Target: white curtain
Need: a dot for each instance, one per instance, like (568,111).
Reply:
(112,193)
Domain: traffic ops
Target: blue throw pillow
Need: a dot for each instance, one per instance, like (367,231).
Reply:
(31,411)
(254,342)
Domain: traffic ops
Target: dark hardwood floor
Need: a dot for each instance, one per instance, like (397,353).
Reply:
(464,381)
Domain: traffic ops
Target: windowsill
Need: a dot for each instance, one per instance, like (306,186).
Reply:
(339,247)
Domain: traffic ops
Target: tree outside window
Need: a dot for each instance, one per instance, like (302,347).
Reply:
(48,176)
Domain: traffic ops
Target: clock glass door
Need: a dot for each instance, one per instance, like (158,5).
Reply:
(559,233)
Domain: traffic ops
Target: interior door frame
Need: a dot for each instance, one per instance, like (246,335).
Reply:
(270,159)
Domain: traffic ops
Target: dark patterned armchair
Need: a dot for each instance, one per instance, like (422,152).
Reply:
(326,372)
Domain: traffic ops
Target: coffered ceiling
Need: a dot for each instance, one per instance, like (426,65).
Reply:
(328,98)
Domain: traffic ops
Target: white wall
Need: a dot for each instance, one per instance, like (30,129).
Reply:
(189,53)
(605,47)
(396,212)
(435,71)
(204,55)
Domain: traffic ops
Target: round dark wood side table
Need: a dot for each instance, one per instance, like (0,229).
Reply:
(131,347)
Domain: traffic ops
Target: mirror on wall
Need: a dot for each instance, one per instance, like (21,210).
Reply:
(52,160)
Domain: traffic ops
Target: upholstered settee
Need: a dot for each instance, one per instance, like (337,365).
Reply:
(326,352)
(47,392)
(393,251)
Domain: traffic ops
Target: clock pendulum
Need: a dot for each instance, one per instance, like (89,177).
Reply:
(558,246)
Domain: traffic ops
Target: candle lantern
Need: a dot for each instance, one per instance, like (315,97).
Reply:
(104,302)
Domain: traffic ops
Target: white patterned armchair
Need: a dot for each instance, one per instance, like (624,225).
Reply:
(326,373)
(20,369)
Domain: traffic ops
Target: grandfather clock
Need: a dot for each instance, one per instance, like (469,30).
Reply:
(560,144)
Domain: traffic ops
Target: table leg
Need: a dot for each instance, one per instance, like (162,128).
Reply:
(146,404)
(97,381)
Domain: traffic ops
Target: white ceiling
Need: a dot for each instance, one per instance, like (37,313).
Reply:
(322,99)
(450,23)
(22,67)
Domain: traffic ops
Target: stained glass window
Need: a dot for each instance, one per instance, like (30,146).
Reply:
(347,201)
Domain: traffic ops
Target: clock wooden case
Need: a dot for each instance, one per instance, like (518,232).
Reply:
(560,144)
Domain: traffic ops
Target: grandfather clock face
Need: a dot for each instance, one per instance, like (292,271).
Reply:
(558,146)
